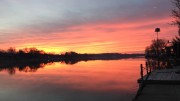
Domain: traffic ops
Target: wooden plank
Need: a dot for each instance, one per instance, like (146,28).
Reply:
(162,85)
(164,76)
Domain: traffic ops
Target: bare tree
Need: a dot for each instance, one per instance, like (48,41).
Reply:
(11,50)
(157,47)
(176,14)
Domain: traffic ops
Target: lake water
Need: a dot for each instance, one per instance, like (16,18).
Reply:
(112,80)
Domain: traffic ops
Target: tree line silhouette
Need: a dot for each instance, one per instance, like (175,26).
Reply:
(31,59)
(163,48)
(35,54)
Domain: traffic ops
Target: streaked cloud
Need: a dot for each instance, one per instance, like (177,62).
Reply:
(80,23)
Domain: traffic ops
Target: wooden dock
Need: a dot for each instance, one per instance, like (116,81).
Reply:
(153,92)
(167,76)
(161,85)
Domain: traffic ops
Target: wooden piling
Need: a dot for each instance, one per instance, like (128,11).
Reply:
(141,73)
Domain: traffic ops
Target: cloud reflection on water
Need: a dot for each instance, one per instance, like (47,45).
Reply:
(85,81)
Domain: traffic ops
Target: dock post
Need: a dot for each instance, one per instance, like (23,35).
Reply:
(141,85)
(147,69)
(141,67)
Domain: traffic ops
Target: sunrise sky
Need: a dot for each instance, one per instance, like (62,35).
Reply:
(84,26)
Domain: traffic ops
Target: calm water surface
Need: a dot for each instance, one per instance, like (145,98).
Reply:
(113,80)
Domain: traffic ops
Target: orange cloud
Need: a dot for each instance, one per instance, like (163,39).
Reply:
(97,37)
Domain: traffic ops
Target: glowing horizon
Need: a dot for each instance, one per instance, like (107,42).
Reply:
(84,26)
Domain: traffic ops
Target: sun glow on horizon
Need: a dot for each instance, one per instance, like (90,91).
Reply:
(109,38)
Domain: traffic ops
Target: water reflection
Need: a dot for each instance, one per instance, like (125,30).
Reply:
(99,80)
(29,66)
(25,66)
(32,66)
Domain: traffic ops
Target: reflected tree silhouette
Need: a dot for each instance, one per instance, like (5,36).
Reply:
(32,66)
(22,67)
(31,59)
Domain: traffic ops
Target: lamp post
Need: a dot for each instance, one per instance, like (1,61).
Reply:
(157,30)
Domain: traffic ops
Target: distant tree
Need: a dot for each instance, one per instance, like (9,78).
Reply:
(2,51)
(71,53)
(176,46)
(31,50)
(159,44)
(21,51)
(176,14)
(176,39)
(25,50)
(11,50)
(157,47)
(147,51)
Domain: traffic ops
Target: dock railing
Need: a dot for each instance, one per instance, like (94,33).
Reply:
(143,79)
